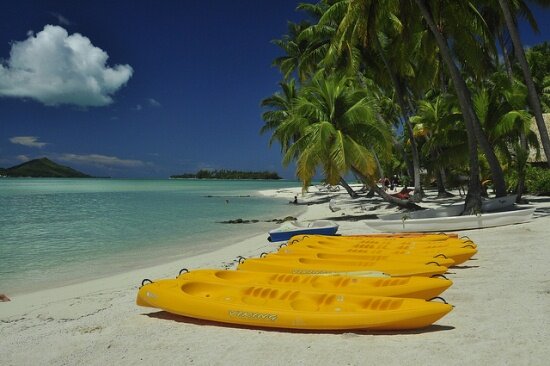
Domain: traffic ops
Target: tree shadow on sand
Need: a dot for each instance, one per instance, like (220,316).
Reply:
(163,315)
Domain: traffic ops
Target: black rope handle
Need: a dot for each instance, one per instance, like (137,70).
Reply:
(465,236)
(143,283)
(263,254)
(441,255)
(439,298)
(240,259)
(432,262)
(183,270)
(283,245)
(439,276)
(469,245)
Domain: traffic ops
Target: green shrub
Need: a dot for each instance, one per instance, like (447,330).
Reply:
(537,181)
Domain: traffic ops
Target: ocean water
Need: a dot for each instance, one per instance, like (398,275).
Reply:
(61,231)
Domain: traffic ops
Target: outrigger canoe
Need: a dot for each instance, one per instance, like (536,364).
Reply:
(411,287)
(278,307)
(419,221)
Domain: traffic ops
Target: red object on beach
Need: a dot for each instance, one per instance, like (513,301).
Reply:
(404,194)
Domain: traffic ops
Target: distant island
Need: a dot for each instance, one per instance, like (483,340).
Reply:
(226,174)
(42,168)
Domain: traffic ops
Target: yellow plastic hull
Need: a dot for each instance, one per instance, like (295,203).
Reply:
(457,251)
(277,307)
(411,287)
(392,241)
(300,265)
(458,255)
(406,258)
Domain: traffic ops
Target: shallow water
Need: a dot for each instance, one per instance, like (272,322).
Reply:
(59,231)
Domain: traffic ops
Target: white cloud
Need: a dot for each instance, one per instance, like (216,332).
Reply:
(30,141)
(22,158)
(55,68)
(153,102)
(60,18)
(101,160)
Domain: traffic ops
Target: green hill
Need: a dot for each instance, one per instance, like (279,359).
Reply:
(43,168)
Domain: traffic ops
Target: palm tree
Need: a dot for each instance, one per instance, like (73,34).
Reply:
(473,126)
(439,121)
(520,55)
(362,29)
(279,105)
(500,106)
(332,125)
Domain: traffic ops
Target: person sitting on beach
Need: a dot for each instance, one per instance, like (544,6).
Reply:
(295,200)
(386,184)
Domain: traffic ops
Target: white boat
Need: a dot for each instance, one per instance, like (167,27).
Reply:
(405,223)
(487,205)
(291,228)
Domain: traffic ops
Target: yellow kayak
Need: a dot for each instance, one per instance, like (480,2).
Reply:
(412,287)
(458,255)
(352,240)
(320,254)
(389,236)
(276,307)
(301,265)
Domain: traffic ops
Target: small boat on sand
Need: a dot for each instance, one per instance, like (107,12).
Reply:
(282,307)
(291,228)
(422,221)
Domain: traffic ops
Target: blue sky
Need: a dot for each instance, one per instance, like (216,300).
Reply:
(159,87)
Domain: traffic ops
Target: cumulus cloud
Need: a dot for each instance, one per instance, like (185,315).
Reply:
(55,68)
(101,160)
(29,141)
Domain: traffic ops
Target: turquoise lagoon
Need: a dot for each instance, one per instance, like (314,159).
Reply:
(61,231)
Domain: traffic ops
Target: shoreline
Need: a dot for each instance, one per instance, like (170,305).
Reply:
(501,313)
(124,253)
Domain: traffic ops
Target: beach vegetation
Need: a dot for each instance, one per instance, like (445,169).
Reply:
(227,174)
(455,95)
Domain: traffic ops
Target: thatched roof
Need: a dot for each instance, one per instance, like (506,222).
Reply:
(533,153)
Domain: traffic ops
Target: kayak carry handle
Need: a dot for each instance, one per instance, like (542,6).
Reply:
(441,255)
(438,275)
(432,262)
(263,254)
(143,283)
(438,298)
(240,259)
(283,245)
(183,270)
(469,245)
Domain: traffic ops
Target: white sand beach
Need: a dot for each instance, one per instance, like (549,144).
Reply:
(501,314)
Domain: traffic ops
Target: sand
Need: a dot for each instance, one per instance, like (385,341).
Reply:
(501,314)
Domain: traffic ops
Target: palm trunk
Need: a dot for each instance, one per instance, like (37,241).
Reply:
(505,55)
(533,96)
(347,187)
(522,156)
(417,196)
(473,198)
